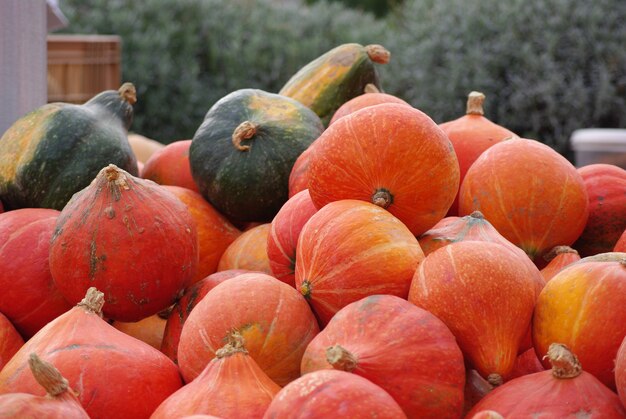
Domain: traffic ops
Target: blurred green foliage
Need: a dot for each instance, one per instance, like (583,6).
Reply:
(380,8)
(547,67)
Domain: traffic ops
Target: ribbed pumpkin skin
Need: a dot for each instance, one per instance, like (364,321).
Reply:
(606,188)
(542,395)
(180,312)
(532,195)
(282,239)
(392,150)
(128,237)
(215,232)
(170,166)
(248,251)
(274,320)
(326,393)
(30,299)
(115,375)
(483,293)
(230,387)
(363,101)
(351,249)
(470,136)
(385,334)
(620,372)
(335,77)
(10,340)
(299,176)
(584,307)
(250,185)
(56,150)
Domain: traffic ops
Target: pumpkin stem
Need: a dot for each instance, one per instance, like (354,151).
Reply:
(475,102)
(340,358)
(477,214)
(564,363)
(93,301)
(244,131)
(378,53)
(47,376)
(382,198)
(371,88)
(495,379)
(235,345)
(305,289)
(128,92)
(558,250)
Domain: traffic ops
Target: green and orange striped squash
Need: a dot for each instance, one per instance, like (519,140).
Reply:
(335,77)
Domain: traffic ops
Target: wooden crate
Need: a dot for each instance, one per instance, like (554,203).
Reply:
(81,66)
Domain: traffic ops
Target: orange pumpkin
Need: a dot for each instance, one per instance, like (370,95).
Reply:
(558,258)
(472,134)
(299,176)
(215,232)
(620,246)
(371,96)
(248,251)
(351,249)
(620,372)
(584,307)
(606,188)
(483,293)
(391,155)
(148,330)
(10,340)
(274,319)
(170,166)
(285,229)
(531,194)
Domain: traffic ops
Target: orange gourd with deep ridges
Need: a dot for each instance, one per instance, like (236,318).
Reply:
(565,391)
(584,307)
(299,176)
(248,251)
(60,401)
(115,375)
(484,294)
(531,194)
(231,386)
(170,166)
(181,310)
(215,232)
(30,299)
(10,340)
(282,239)
(558,258)
(377,337)
(606,189)
(351,249)
(326,393)
(471,135)
(274,320)
(129,237)
(391,155)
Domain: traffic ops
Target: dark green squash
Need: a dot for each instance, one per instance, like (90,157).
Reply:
(242,154)
(58,149)
(335,77)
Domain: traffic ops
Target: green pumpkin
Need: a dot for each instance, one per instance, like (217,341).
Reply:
(335,77)
(242,154)
(58,149)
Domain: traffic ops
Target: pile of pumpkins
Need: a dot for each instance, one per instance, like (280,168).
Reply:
(327,251)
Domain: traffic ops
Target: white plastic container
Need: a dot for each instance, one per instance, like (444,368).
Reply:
(599,145)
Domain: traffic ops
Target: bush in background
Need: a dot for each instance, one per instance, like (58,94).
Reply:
(547,67)
(184,55)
